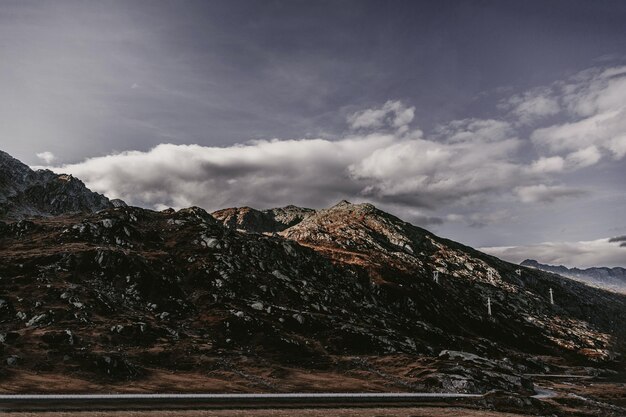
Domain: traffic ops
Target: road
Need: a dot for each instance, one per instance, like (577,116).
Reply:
(224,401)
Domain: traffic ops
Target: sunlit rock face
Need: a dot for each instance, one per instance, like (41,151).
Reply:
(262,221)
(26,193)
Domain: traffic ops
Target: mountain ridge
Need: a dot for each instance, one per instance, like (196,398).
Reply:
(272,220)
(273,299)
(26,193)
(611,278)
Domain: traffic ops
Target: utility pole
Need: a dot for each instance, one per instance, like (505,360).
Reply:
(489,306)
(436,276)
(551,297)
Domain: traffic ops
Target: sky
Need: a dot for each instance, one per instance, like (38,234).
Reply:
(499,124)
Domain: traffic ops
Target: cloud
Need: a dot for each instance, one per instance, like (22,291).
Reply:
(581,158)
(595,100)
(599,130)
(595,91)
(383,161)
(533,105)
(398,168)
(428,173)
(260,173)
(547,165)
(620,239)
(541,193)
(584,157)
(47,157)
(474,130)
(481,219)
(583,254)
(392,114)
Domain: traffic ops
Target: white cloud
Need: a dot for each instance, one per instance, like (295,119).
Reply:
(617,146)
(392,114)
(584,157)
(384,160)
(429,173)
(464,161)
(583,254)
(47,157)
(546,165)
(401,168)
(541,193)
(596,102)
(595,91)
(475,130)
(597,130)
(261,173)
(533,105)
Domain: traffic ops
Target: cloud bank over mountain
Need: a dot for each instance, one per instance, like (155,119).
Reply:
(385,159)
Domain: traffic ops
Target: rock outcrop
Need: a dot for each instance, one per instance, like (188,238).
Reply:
(26,193)
(262,221)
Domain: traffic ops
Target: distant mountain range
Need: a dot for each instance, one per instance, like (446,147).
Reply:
(343,298)
(609,278)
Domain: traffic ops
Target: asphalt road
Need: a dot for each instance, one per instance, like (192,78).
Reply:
(224,401)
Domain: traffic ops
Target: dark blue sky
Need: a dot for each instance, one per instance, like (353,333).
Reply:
(90,79)
(220,72)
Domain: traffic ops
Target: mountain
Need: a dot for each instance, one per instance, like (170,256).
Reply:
(613,279)
(346,294)
(262,221)
(347,298)
(27,193)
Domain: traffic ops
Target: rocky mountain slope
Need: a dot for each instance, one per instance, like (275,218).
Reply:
(348,298)
(613,279)
(116,293)
(26,193)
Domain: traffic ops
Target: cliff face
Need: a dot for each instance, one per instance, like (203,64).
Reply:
(27,193)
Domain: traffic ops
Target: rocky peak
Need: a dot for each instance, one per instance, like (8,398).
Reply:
(27,193)
(262,221)
(14,175)
(289,215)
(342,203)
(246,219)
(357,227)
